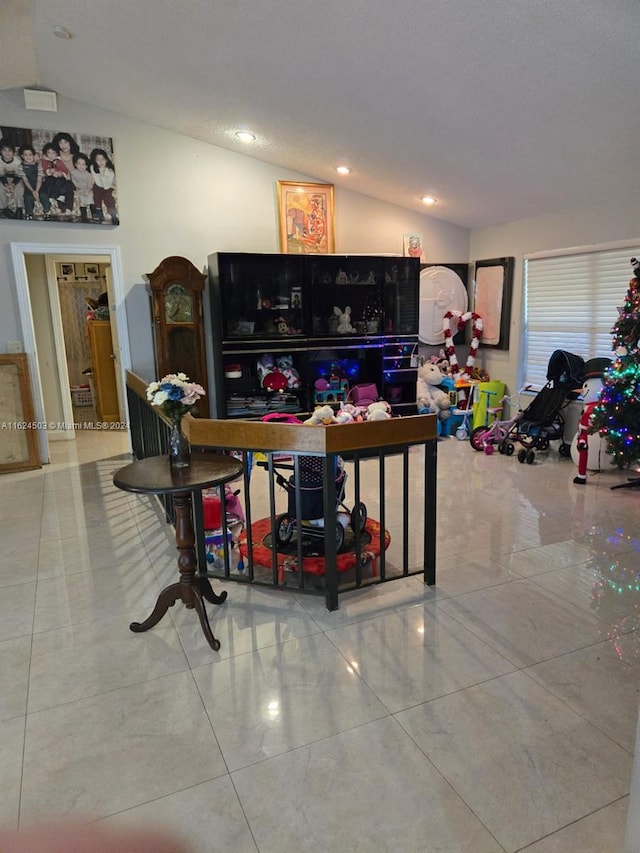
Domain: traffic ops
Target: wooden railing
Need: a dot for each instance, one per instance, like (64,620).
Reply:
(396,459)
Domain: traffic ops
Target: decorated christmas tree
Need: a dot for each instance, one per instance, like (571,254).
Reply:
(617,414)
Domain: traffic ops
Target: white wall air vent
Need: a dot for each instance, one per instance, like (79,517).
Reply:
(38,99)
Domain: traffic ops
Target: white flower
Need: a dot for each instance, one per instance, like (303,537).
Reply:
(151,390)
(160,398)
(182,377)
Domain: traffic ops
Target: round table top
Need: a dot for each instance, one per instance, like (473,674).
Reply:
(155,476)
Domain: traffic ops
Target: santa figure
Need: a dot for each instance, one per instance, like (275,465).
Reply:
(583,454)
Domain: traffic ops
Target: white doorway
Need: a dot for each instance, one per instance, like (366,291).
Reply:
(120,339)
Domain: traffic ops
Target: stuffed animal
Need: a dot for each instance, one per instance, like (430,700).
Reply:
(344,321)
(432,399)
(378,411)
(349,414)
(440,361)
(266,364)
(284,364)
(270,377)
(322,415)
(275,381)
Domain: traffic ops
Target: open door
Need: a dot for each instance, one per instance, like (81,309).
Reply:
(19,253)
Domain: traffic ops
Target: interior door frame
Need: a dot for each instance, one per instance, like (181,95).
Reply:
(19,251)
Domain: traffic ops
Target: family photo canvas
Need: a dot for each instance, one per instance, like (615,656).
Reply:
(57,176)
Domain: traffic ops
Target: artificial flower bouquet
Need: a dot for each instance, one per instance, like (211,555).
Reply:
(175,394)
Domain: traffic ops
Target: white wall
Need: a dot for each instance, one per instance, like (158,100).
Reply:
(178,196)
(610,222)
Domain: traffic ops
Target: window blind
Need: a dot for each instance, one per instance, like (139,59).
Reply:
(571,304)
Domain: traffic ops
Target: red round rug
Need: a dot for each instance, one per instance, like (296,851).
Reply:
(287,558)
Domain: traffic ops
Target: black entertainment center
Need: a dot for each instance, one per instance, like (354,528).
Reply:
(341,319)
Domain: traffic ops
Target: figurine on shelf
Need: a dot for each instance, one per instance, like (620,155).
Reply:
(344,321)
(341,278)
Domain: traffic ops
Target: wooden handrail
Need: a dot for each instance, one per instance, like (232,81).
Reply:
(258,435)
(241,434)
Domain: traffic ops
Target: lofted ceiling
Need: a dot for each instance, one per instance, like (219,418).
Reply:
(502,110)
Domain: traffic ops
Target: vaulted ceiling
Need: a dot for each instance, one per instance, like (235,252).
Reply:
(501,109)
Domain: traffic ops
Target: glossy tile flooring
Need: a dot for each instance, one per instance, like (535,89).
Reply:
(493,712)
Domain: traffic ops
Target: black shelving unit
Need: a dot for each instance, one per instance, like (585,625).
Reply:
(286,305)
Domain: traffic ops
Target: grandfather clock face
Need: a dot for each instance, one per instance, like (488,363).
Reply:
(178,302)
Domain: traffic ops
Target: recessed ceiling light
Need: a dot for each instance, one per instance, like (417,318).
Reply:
(245,135)
(343,170)
(62,32)
(429,200)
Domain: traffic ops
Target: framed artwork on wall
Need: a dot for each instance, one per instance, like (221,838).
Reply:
(412,245)
(492,292)
(75,173)
(68,269)
(306,218)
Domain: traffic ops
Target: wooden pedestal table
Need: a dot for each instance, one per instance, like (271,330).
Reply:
(154,476)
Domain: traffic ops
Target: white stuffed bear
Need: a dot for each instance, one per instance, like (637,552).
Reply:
(322,415)
(430,396)
(378,411)
(344,321)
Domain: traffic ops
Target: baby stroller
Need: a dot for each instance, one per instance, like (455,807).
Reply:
(542,421)
(311,500)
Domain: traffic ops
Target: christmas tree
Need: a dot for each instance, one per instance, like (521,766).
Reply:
(617,414)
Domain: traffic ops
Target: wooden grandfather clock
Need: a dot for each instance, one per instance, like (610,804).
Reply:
(175,288)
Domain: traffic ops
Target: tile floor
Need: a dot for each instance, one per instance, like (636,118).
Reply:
(494,712)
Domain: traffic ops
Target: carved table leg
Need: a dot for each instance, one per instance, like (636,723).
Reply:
(192,591)
(208,593)
(198,605)
(166,599)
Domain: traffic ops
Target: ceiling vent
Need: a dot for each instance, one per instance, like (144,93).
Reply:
(40,99)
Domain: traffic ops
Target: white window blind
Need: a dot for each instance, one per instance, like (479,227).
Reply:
(571,304)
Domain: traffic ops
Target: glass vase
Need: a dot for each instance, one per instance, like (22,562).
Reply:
(179,447)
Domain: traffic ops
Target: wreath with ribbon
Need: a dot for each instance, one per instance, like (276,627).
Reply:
(476,333)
